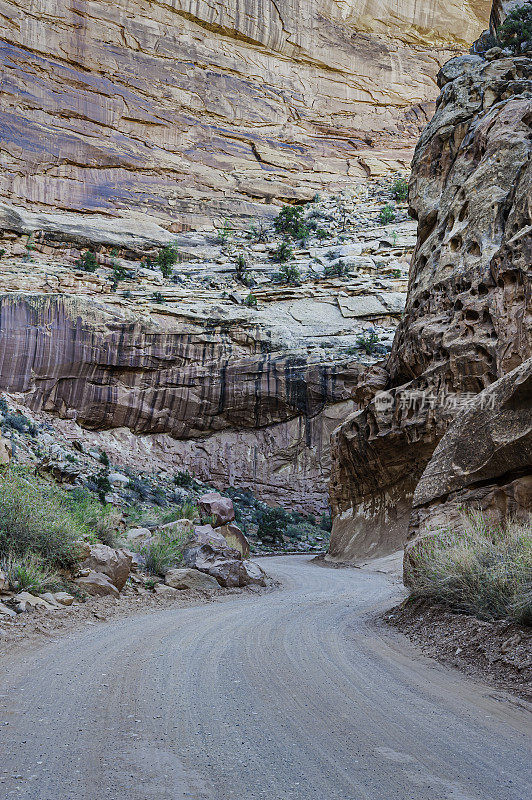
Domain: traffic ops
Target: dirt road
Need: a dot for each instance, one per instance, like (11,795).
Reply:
(293,695)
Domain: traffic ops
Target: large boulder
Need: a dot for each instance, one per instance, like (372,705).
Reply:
(138,537)
(235,538)
(116,564)
(184,578)
(98,584)
(218,507)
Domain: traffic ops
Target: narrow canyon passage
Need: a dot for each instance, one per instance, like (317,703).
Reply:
(291,695)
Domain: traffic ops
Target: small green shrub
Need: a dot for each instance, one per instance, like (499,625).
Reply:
(400,189)
(100,521)
(100,483)
(157,297)
(387,214)
(283,253)
(486,570)
(289,274)
(223,233)
(104,458)
(337,270)
(87,262)
(166,259)
(29,573)
(120,273)
(515,33)
(250,301)
(187,510)
(2,252)
(272,523)
(368,342)
(290,222)
(183,478)
(321,234)
(326,522)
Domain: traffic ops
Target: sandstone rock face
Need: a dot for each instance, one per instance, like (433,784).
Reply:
(151,109)
(237,404)
(484,461)
(468,313)
(116,564)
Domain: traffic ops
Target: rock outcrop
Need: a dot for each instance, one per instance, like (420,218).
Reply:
(483,461)
(468,316)
(186,112)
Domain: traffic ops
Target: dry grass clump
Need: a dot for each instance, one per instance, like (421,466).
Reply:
(486,570)
(165,551)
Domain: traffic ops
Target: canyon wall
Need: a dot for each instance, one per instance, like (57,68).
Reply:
(221,397)
(460,361)
(187,111)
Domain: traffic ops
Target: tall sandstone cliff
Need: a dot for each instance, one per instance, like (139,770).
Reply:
(186,111)
(448,420)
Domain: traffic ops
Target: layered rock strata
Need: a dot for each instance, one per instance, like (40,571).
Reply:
(468,320)
(198,371)
(186,112)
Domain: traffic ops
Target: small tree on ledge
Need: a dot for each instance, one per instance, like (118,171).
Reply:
(515,33)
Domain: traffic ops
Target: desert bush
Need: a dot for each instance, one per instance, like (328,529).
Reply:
(272,523)
(99,483)
(157,297)
(223,233)
(166,259)
(87,262)
(290,222)
(337,270)
(387,214)
(250,301)
(29,573)
(282,253)
(99,521)
(34,520)
(486,570)
(515,33)
(369,342)
(288,273)
(165,551)
(186,510)
(400,189)
(326,522)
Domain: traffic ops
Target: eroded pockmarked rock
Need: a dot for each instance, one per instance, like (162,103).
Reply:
(468,314)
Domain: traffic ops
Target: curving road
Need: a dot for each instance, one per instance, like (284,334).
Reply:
(292,695)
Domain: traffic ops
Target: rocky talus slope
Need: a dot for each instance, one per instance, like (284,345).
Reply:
(180,111)
(237,377)
(460,362)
